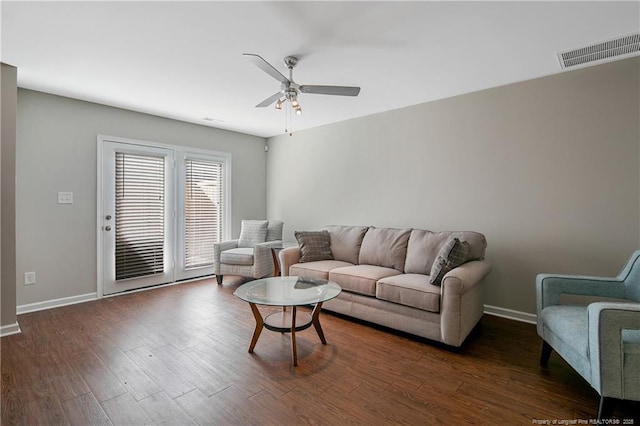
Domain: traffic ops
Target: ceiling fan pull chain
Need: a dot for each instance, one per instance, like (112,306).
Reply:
(286,117)
(290,111)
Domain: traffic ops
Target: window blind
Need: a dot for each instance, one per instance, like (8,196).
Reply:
(203,211)
(140,211)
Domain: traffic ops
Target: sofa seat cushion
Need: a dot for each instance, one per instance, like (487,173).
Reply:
(237,256)
(411,290)
(568,323)
(360,279)
(319,269)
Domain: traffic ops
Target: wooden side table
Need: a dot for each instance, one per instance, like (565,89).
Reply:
(276,261)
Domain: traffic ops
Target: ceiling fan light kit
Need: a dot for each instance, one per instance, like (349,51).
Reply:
(289,89)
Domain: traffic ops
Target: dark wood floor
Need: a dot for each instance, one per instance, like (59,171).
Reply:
(178,355)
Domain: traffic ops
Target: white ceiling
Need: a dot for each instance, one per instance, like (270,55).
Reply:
(184,60)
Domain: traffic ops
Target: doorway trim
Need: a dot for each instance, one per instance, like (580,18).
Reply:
(179,150)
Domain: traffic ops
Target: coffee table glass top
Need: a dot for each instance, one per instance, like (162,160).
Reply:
(288,291)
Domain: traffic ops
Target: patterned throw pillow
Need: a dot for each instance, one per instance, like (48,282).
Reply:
(252,232)
(452,254)
(314,245)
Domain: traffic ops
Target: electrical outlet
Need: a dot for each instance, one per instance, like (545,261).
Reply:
(29,278)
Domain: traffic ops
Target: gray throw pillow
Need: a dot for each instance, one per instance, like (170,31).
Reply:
(252,232)
(314,245)
(452,254)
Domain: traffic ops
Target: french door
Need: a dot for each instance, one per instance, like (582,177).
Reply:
(161,210)
(136,217)
(201,213)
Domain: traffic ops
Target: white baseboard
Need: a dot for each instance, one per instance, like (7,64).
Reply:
(72,300)
(510,314)
(55,303)
(8,330)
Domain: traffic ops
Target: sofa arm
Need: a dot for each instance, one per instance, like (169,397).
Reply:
(218,248)
(462,300)
(272,244)
(263,259)
(466,276)
(288,256)
(550,287)
(609,365)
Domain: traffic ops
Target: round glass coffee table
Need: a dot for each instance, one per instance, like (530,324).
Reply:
(287,292)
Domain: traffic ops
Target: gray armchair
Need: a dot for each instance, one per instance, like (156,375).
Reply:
(601,340)
(250,255)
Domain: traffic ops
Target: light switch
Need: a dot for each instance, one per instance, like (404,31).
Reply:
(29,278)
(65,197)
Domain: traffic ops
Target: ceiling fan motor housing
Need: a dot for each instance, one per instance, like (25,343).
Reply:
(290,61)
(290,93)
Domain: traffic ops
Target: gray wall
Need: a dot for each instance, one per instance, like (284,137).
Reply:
(547,169)
(8,90)
(57,152)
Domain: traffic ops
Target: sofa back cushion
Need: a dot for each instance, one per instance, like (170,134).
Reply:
(346,242)
(274,230)
(384,247)
(423,247)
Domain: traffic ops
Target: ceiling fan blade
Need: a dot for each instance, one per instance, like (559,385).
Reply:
(271,99)
(265,66)
(331,90)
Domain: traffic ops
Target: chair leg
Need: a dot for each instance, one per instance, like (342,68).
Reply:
(605,408)
(546,353)
(219,279)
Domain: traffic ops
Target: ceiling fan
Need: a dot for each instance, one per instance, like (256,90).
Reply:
(289,89)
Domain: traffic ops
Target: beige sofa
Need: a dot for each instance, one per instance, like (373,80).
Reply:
(384,275)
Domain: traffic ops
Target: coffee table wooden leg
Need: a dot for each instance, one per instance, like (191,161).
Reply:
(315,320)
(259,326)
(294,352)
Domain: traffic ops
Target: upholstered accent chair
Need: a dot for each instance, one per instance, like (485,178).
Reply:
(250,255)
(600,339)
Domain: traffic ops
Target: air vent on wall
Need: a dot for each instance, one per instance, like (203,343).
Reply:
(606,51)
